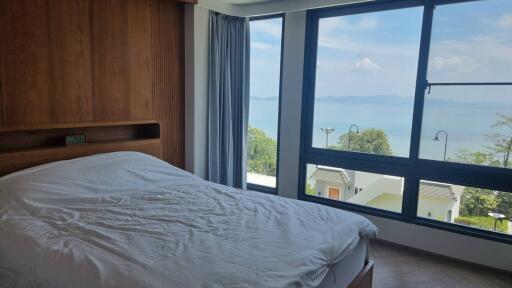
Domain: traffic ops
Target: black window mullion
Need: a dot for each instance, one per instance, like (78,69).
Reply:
(411,190)
(252,186)
(309,78)
(412,169)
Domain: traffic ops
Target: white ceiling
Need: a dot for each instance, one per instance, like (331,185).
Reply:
(243,2)
(245,8)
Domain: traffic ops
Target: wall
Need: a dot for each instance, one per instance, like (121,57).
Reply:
(437,207)
(454,245)
(196,79)
(291,97)
(90,61)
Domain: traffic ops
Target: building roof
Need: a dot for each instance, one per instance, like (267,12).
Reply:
(330,174)
(437,190)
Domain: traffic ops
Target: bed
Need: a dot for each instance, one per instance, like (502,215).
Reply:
(127,219)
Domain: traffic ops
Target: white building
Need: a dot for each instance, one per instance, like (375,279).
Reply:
(436,200)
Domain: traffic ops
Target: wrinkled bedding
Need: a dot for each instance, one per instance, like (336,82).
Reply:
(127,219)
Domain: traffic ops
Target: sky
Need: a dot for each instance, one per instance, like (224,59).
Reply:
(265,57)
(377,53)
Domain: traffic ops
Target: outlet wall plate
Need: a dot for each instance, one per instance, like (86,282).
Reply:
(78,139)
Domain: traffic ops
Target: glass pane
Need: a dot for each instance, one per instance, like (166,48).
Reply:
(472,42)
(469,206)
(365,81)
(468,124)
(362,188)
(264,101)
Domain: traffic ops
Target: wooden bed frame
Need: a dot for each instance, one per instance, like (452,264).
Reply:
(26,146)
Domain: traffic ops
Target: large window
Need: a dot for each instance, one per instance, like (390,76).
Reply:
(265,81)
(468,115)
(407,112)
(365,78)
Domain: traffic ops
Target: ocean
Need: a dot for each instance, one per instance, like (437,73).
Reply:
(468,123)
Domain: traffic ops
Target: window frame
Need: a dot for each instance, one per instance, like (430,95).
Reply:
(413,169)
(252,186)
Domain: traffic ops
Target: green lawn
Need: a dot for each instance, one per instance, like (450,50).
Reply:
(484,222)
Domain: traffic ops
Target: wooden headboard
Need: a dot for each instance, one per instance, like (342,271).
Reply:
(26,146)
(89,62)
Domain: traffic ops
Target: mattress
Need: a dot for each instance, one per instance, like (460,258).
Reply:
(127,219)
(341,274)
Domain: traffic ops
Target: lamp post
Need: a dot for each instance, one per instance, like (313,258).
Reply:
(350,134)
(327,132)
(445,141)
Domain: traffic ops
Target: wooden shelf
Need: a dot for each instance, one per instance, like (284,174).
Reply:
(24,146)
(79,146)
(18,128)
(14,160)
(50,136)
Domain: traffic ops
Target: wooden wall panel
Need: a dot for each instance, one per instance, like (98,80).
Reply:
(70,61)
(25,62)
(122,59)
(109,56)
(83,61)
(168,77)
(139,55)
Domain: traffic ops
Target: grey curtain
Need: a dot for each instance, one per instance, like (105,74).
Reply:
(228,99)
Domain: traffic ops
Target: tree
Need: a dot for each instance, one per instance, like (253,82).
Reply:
(310,190)
(477,201)
(504,203)
(476,158)
(261,152)
(502,144)
(369,141)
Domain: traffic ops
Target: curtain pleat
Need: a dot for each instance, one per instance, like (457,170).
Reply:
(228,99)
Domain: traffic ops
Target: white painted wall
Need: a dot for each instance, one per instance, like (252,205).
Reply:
(291,97)
(196,88)
(454,245)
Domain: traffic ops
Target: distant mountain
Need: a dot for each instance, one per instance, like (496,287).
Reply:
(374,99)
(395,100)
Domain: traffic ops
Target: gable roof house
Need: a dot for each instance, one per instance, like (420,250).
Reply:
(437,200)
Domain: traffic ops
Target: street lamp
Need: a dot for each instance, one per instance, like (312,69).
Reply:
(327,132)
(350,134)
(496,216)
(445,140)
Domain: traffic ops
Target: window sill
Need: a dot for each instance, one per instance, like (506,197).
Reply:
(450,227)
(263,189)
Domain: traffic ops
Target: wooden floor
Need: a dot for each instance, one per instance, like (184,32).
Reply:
(397,266)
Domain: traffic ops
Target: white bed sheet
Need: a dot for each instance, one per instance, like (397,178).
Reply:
(344,272)
(126,219)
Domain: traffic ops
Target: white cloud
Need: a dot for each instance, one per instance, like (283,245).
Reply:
(368,23)
(337,24)
(337,33)
(366,64)
(261,45)
(505,21)
(453,64)
(266,27)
